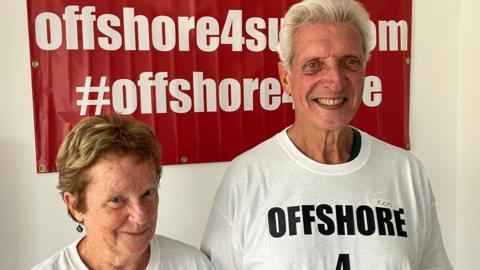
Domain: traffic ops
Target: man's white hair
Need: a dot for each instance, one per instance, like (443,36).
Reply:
(322,11)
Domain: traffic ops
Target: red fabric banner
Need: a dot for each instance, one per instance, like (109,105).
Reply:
(203,74)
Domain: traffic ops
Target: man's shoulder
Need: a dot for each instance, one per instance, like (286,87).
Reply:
(386,151)
(386,148)
(264,150)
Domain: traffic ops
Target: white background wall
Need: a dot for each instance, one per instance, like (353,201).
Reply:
(468,138)
(444,135)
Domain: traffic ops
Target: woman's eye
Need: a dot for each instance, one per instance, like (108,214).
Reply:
(149,193)
(116,201)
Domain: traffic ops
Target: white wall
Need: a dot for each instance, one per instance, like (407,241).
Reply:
(468,145)
(433,117)
(443,128)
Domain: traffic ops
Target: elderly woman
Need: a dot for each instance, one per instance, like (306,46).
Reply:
(321,194)
(109,171)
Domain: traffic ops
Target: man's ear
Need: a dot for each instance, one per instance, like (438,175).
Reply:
(284,76)
(70,201)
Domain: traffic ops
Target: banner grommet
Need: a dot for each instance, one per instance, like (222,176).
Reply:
(35,64)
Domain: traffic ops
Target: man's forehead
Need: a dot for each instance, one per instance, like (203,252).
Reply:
(327,27)
(324,39)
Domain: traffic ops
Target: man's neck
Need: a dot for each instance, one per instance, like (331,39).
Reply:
(327,147)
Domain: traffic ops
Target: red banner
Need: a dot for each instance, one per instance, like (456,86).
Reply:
(203,74)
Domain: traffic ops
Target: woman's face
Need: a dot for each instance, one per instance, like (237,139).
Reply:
(121,201)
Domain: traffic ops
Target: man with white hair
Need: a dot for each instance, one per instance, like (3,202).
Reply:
(322,194)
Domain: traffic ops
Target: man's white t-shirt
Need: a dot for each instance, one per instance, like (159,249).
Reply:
(278,209)
(165,254)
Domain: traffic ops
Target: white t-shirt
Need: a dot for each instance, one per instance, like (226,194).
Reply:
(277,209)
(165,254)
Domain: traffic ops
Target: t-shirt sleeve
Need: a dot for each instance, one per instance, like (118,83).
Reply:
(219,240)
(202,262)
(434,256)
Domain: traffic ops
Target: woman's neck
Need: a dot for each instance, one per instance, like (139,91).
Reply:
(95,258)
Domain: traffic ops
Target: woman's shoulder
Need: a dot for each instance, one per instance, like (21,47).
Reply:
(173,254)
(167,244)
(67,258)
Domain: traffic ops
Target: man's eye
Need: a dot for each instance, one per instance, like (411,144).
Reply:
(311,66)
(352,63)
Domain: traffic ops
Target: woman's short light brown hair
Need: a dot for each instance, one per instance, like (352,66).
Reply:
(93,138)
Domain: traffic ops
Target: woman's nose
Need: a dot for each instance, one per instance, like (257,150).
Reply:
(138,214)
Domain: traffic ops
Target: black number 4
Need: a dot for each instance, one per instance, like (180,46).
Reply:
(343,262)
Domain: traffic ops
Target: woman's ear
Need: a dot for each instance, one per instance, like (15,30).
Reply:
(71,203)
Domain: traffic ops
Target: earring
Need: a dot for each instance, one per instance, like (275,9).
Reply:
(79,228)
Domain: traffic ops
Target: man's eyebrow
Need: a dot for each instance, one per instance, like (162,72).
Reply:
(310,58)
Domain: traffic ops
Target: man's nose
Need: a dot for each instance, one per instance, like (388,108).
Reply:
(334,78)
